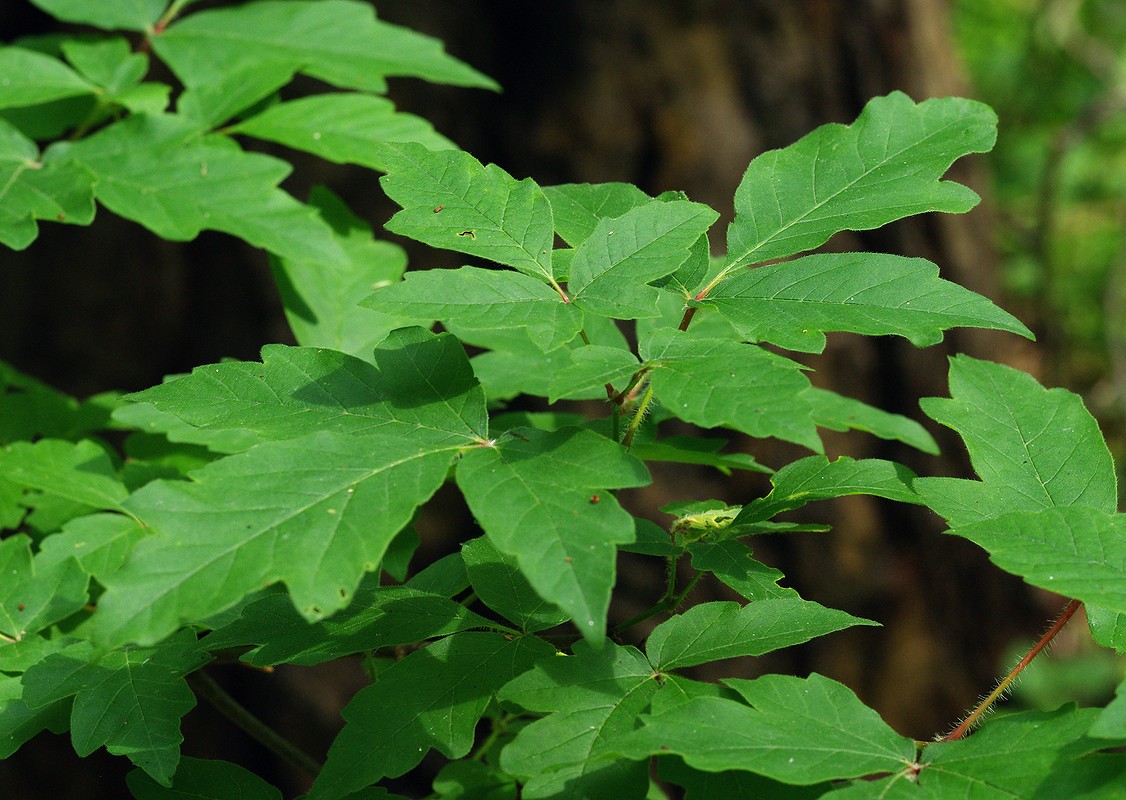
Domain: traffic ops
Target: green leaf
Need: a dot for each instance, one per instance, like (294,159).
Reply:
(110,63)
(883,167)
(473,780)
(579,207)
(1009,757)
(131,701)
(324,307)
(32,188)
(694,450)
(236,90)
(594,698)
(1075,551)
(498,582)
(315,512)
(19,722)
(1107,627)
(795,303)
(337,41)
(78,471)
(612,266)
(840,413)
(1032,447)
(131,15)
(343,128)
(420,386)
(35,595)
(37,78)
(451,201)
(732,785)
(203,779)
(1111,722)
(100,543)
(483,299)
(158,171)
(378,616)
(818,478)
(795,730)
(713,382)
(542,497)
(731,562)
(717,630)
(433,698)
(591,368)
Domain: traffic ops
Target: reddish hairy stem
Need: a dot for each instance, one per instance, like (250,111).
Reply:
(1067,613)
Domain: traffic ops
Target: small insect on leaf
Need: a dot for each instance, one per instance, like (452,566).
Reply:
(438,208)
(21,607)
(594,499)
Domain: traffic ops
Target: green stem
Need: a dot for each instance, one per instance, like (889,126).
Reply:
(638,415)
(670,601)
(498,728)
(962,729)
(205,687)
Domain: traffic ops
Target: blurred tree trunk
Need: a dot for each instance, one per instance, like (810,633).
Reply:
(683,95)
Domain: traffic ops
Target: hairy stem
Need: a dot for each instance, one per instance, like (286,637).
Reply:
(638,415)
(205,687)
(962,729)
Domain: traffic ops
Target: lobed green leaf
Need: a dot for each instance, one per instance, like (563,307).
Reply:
(497,581)
(883,167)
(133,15)
(795,303)
(482,299)
(713,382)
(343,128)
(594,697)
(433,698)
(449,200)
(794,730)
(544,498)
(336,41)
(717,630)
(1032,447)
(840,413)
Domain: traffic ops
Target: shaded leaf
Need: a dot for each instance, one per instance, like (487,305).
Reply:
(1032,447)
(324,308)
(1111,722)
(840,413)
(732,785)
(883,167)
(377,617)
(343,128)
(314,512)
(795,730)
(713,382)
(717,630)
(498,582)
(420,385)
(449,200)
(594,698)
(695,450)
(731,562)
(236,90)
(130,701)
(19,722)
(543,498)
(612,266)
(203,779)
(483,299)
(817,478)
(795,303)
(474,780)
(110,63)
(157,170)
(433,698)
(337,41)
